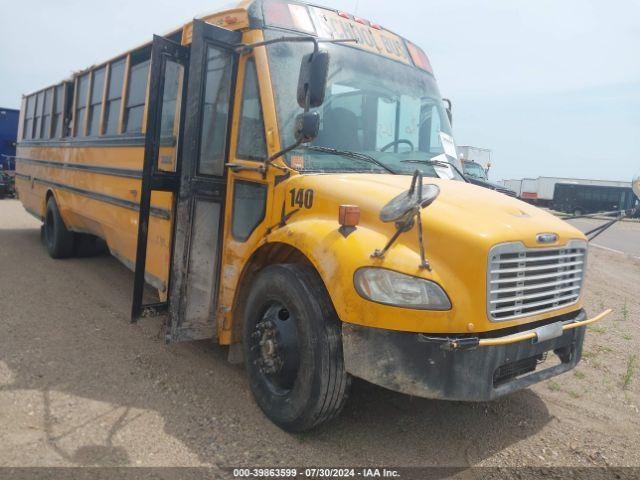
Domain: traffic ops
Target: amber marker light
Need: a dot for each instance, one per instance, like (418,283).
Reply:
(349,215)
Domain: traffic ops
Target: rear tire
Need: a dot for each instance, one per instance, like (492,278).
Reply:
(293,348)
(60,242)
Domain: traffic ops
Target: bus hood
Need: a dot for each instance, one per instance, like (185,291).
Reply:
(460,228)
(462,209)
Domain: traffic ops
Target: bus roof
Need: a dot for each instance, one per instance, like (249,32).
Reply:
(245,14)
(237,9)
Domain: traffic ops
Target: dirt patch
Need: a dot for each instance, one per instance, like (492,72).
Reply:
(79,385)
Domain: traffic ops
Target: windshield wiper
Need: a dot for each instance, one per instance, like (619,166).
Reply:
(348,154)
(441,163)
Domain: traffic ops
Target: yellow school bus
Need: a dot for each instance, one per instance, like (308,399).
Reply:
(285,176)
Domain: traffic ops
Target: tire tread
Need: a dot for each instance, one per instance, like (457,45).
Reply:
(332,383)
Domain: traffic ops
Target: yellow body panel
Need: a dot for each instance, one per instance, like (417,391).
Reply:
(117,225)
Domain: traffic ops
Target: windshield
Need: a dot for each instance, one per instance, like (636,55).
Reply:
(373,106)
(475,170)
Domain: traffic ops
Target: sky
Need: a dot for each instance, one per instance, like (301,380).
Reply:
(551,87)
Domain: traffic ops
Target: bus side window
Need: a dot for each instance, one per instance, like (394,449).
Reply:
(136,96)
(45,130)
(81,105)
(95,103)
(249,207)
(68,109)
(27,134)
(251,137)
(58,110)
(114,97)
(38,117)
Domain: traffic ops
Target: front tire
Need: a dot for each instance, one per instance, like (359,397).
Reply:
(293,348)
(60,242)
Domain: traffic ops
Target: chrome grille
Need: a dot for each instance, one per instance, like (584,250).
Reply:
(523,281)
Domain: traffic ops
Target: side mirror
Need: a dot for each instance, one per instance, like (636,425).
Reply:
(312,83)
(307,126)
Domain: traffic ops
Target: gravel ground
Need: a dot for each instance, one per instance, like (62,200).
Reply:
(80,386)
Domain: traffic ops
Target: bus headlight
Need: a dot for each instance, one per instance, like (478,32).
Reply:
(394,288)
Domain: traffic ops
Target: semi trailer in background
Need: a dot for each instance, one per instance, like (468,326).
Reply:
(573,195)
(525,188)
(476,163)
(8,134)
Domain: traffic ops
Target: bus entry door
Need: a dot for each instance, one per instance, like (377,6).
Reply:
(200,182)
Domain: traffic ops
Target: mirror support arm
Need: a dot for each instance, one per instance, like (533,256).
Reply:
(267,163)
(277,155)
(413,216)
(591,234)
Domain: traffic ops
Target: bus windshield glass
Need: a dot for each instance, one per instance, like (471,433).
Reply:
(373,106)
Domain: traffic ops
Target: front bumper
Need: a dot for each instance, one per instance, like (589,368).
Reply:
(429,367)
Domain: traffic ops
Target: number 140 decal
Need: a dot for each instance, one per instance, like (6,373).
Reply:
(301,198)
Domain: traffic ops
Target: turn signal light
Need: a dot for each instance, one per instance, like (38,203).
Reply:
(349,215)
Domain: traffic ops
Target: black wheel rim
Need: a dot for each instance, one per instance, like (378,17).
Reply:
(274,348)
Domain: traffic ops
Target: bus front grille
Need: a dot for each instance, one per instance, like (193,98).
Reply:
(522,281)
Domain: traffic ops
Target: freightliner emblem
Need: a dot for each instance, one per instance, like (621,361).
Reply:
(547,238)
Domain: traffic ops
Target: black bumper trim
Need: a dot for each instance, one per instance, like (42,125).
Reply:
(404,362)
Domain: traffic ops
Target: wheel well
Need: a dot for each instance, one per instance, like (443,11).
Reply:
(48,195)
(267,255)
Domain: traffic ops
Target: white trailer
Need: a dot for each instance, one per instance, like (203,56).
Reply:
(513,184)
(529,189)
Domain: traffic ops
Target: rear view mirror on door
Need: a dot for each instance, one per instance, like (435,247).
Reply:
(312,82)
